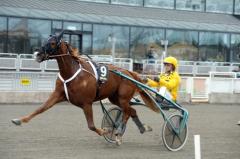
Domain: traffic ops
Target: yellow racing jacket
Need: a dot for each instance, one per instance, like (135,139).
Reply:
(170,81)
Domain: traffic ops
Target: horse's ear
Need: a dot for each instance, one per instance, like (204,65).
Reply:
(60,35)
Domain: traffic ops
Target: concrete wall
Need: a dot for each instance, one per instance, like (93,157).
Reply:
(225,98)
(23,97)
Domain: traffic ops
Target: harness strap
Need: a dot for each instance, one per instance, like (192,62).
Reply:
(75,75)
(96,75)
(68,80)
(94,69)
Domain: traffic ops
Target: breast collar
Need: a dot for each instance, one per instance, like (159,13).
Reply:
(75,75)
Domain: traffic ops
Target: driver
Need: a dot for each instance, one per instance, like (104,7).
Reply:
(169,81)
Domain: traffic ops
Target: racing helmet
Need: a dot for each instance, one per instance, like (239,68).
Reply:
(171,60)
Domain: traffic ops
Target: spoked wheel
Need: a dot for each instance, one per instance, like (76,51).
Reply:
(111,121)
(174,139)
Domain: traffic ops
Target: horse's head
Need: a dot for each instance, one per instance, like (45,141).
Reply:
(50,49)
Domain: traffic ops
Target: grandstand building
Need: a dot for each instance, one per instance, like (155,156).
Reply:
(196,30)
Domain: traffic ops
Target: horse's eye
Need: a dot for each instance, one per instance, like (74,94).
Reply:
(52,44)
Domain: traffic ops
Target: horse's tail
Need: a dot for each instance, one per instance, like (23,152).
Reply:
(144,95)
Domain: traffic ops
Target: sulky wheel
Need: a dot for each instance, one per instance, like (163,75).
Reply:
(111,121)
(174,139)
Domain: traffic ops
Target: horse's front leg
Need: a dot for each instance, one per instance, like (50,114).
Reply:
(54,98)
(126,114)
(87,109)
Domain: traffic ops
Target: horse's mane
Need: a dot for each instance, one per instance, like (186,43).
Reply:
(75,53)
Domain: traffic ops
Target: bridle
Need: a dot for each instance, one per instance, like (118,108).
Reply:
(47,48)
(55,41)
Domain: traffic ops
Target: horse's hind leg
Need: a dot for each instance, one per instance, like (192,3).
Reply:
(132,112)
(54,98)
(142,127)
(87,109)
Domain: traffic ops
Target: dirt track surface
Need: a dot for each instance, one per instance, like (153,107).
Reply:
(62,133)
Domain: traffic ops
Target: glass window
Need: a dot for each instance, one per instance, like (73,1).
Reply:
(87,44)
(56,26)
(159,3)
(72,26)
(183,44)
(128,2)
(3,34)
(87,27)
(195,5)
(219,6)
(144,40)
(38,32)
(214,46)
(235,47)
(17,35)
(101,1)
(75,40)
(237,6)
(102,43)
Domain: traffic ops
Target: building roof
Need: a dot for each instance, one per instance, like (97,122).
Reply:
(119,14)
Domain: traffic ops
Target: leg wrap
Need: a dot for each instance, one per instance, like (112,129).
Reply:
(120,129)
(139,124)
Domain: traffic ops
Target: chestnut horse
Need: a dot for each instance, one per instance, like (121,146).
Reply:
(78,85)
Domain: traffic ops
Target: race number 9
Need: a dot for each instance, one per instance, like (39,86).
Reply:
(103,71)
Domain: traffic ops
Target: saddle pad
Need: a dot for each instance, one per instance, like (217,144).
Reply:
(100,70)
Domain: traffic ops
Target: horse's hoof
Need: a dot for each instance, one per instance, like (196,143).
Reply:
(118,141)
(16,122)
(147,128)
(238,123)
(106,131)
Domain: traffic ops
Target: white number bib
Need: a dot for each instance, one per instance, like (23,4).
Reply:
(103,73)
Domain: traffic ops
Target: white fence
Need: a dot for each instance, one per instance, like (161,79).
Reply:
(26,62)
(218,82)
(192,68)
(224,82)
(27,81)
(195,87)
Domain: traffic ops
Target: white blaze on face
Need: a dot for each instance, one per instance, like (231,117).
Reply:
(36,57)
(35,54)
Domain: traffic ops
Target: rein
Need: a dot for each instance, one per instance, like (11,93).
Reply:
(52,56)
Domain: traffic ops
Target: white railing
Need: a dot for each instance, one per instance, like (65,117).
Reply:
(51,65)
(224,82)
(126,63)
(199,88)
(102,58)
(193,68)
(26,62)
(27,81)
(8,61)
